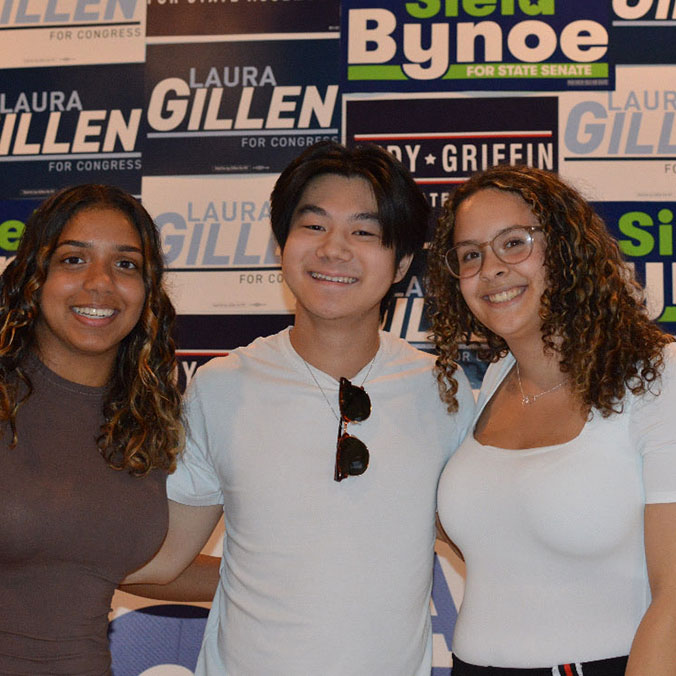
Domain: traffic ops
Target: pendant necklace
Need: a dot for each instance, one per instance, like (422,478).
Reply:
(527,400)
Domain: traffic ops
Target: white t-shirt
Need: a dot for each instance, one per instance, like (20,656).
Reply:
(318,577)
(553,536)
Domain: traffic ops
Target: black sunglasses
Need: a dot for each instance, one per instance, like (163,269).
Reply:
(352,456)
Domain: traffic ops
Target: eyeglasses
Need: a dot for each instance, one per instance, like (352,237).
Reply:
(512,245)
(352,456)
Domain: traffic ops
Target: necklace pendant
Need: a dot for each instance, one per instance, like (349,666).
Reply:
(526,399)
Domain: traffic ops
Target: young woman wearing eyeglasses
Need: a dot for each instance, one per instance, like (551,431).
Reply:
(563,498)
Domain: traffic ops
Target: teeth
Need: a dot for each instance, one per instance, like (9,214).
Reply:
(505,296)
(93,311)
(327,278)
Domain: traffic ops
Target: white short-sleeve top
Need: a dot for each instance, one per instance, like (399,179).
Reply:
(553,536)
(318,577)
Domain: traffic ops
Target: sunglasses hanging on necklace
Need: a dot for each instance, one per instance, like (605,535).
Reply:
(352,456)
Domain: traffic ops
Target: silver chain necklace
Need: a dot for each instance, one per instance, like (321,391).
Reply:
(527,400)
(321,389)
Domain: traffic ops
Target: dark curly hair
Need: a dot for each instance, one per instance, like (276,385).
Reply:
(142,408)
(592,311)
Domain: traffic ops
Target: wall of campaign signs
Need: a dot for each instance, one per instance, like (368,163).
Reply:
(197,105)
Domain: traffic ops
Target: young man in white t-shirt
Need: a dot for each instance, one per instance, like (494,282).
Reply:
(329,493)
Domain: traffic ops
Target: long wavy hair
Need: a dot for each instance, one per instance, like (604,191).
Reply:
(142,407)
(592,310)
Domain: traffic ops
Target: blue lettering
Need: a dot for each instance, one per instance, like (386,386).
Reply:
(195,241)
(85,11)
(210,257)
(594,131)
(51,14)
(241,258)
(174,242)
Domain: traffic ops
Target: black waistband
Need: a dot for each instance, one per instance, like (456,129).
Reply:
(614,666)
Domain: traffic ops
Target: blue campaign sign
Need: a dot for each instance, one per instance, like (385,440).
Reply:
(645,232)
(230,17)
(643,32)
(238,107)
(443,141)
(61,126)
(430,45)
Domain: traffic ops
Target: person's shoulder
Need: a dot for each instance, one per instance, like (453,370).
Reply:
(667,376)
(399,351)
(416,368)
(495,374)
(650,411)
(670,356)
(239,360)
(667,372)
(405,358)
(216,369)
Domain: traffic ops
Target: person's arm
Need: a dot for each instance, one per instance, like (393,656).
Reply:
(198,582)
(189,529)
(653,652)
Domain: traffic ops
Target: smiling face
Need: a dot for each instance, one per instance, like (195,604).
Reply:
(333,259)
(504,297)
(93,295)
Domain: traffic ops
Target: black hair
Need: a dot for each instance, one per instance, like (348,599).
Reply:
(403,211)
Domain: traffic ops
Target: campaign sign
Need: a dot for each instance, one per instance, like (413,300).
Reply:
(220,253)
(238,107)
(405,315)
(241,17)
(13,215)
(622,145)
(443,141)
(643,32)
(37,33)
(645,232)
(61,126)
(430,45)
(200,337)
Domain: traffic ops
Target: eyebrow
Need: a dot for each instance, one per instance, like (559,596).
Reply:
(319,211)
(87,245)
(497,234)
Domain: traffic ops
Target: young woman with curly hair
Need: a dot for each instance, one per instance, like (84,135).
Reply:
(562,500)
(91,424)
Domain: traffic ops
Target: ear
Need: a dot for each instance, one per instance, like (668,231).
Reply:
(402,268)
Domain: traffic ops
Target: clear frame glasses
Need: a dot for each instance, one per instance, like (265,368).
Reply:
(512,245)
